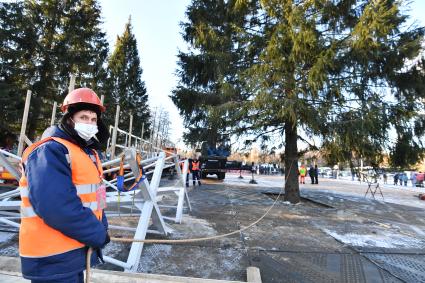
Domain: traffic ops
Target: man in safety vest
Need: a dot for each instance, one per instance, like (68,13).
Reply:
(195,167)
(303,173)
(62,194)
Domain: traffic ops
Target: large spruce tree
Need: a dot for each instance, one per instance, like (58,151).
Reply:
(331,68)
(125,82)
(12,52)
(208,71)
(346,71)
(43,42)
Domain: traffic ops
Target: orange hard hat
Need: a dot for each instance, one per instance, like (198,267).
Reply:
(82,95)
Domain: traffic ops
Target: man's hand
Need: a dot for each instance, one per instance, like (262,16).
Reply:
(107,240)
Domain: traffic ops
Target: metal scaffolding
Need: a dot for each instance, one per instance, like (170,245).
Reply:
(144,202)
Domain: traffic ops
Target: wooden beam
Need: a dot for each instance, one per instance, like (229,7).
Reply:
(52,120)
(71,83)
(130,130)
(24,123)
(253,274)
(114,132)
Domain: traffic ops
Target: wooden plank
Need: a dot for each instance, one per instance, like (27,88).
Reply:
(27,140)
(130,130)
(253,274)
(24,123)
(114,132)
(52,120)
(71,83)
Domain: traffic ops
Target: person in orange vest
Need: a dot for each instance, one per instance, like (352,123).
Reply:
(303,173)
(62,194)
(195,167)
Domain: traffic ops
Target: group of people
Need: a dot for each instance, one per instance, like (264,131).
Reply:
(402,179)
(313,172)
(268,169)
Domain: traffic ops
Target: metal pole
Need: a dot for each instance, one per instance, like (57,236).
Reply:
(52,120)
(102,98)
(141,136)
(157,132)
(24,123)
(9,167)
(130,130)
(152,132)
(252,176)
(114,133)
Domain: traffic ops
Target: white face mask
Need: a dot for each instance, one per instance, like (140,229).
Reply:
(86,131)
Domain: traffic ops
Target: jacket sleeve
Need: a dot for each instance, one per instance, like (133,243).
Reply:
(54,196)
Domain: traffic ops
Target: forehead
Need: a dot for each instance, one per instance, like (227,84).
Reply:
(89,113)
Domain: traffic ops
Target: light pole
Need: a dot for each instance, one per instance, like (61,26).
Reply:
(252,181)
(240,172)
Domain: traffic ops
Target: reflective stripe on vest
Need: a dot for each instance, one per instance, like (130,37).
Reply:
(87,194)
(195,165)
(36,238)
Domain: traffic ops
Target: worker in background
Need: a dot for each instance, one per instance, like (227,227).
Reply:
(195,167)
(311,174)
(303,173)
(62,194)
(316,174)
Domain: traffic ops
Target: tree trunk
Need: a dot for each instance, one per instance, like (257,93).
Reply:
(212,137)
(292,190)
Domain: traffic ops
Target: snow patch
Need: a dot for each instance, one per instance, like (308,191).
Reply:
(380,240)
(193,226)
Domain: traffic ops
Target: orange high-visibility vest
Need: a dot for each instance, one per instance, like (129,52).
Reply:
(36,238)
(195,165)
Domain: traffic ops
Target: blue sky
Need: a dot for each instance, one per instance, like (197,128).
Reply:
(156,27)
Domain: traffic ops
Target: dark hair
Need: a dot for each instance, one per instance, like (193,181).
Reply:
(74,108)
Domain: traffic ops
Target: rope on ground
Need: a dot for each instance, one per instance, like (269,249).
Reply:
(192,240)
(88,271)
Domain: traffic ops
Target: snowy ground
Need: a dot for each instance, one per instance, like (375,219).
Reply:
(392,194)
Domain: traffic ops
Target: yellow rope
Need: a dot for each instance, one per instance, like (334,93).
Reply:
(89,252)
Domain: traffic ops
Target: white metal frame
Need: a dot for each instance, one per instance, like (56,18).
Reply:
(145,199)
(145,202)
(179,190)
